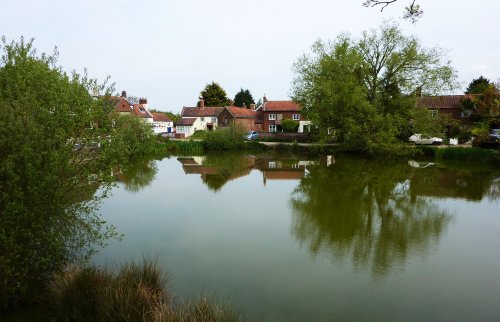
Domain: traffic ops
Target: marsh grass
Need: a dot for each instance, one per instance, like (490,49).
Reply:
(468,154)
(136,292)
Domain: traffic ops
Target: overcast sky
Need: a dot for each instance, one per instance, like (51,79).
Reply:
(168,51)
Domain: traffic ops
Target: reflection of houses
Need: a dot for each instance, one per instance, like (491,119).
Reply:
(217,174)
(446,105)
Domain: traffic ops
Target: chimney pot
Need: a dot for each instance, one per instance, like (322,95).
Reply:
(202,103)
(252,107)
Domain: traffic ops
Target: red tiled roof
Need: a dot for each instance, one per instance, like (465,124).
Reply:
(186,121)
(241,112)
(441,102)
(201,112)
(141,111)
(275,106)
(121,104)
(160,117)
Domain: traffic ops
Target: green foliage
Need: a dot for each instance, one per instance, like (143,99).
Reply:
(243,98)
(473,154)
(184,146)
(364,90)
(488,106)
(290,126)
(225,139)
(137,292)
(214,95)
(478,86)
(57,146)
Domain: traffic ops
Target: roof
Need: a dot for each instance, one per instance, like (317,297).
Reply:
(186,121)
(441,102)
(201,112)
(241,112)
(160,117)
(278,106)
(283,174)
(120,104)
(141,111)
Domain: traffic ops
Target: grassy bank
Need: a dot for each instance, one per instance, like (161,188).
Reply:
(136,292)
(469,154)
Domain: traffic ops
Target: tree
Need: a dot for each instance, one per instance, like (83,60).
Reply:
(243,98)
(488,106)
(413,11)
(365,89)
(58,142)
(214,95)
(478,86)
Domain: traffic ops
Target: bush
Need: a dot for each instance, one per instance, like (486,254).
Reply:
(467,154)
(290,126)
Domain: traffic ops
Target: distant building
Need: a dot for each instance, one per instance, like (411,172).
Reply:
(162,123)
(447,104)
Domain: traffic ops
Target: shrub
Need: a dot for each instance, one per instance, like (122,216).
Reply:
(290,126)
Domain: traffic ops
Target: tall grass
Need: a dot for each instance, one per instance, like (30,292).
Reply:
(137,292)
(468,154)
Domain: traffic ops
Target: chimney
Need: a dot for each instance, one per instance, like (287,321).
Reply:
(418,91)
(252,107)
(244,105)
(144,102)
(201,103)
(124,94)
(264,101)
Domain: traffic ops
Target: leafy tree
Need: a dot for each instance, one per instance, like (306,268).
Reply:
(412,12)
(214,95)
(243,98)
(478,86)
(488,106)
(365,89)
(57,145)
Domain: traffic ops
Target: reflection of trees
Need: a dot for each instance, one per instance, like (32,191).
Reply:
(363,210)
(138,174)
(217,169)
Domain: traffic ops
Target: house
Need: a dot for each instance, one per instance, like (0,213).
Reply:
(448,104)
(141,111)
(197,119)
(162,123)
(248,119)
(274,112)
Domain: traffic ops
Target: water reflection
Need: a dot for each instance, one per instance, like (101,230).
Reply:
(216,170)
(136,175)
(378,214)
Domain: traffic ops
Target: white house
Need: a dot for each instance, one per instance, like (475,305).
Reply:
(197,119)
(162,123)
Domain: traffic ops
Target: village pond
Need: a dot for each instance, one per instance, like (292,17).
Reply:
(285,237)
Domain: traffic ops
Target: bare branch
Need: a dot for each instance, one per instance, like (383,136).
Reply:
(412,12)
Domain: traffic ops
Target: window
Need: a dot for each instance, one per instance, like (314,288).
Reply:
(214,119)
(272,164)
(434,113)
(272,117)
(272,128)
(296,117)
(203,119)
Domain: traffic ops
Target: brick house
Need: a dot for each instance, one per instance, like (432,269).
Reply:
(274,112)
(249,119)
(447,104)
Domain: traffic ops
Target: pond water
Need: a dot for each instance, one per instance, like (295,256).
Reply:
(290,238)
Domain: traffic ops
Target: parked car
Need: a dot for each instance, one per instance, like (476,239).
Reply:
(425,139)
(495,135)
(251,135)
